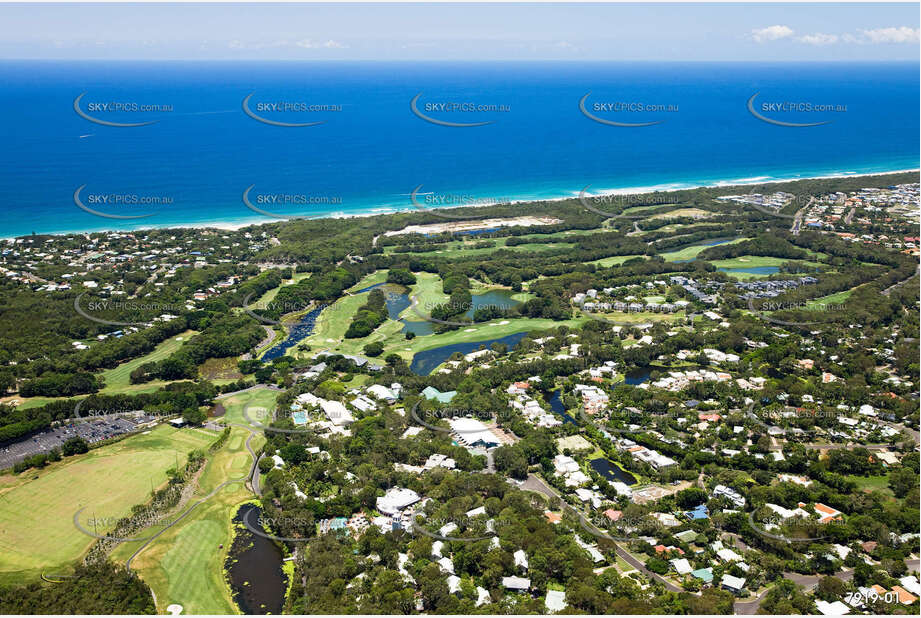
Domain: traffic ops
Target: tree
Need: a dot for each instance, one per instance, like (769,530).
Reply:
(75,446)
(830,589)
(902,481)
(375,348)
(193,416)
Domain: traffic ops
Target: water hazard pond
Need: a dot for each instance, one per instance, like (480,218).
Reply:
(254,567)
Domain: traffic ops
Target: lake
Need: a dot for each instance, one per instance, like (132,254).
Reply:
(493,298)
(557,407)
(254,567)
(298,333)
(611,471)
(424,362)
(637,376)
(753,270)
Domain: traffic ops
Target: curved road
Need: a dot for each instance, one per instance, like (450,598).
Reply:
(536,484)
(254,487)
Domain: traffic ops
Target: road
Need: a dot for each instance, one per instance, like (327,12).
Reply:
(895,285)
(750,607)
(850,216)
(798,217)
(536,484)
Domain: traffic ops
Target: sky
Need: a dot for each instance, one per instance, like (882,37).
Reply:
(475,32)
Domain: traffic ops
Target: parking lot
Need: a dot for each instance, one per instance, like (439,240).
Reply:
(92,431)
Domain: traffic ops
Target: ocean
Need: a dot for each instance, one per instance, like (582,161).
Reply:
(366,150)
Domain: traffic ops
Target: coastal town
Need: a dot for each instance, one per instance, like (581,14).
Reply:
(725,423)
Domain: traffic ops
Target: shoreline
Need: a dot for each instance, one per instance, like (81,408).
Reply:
(374,211)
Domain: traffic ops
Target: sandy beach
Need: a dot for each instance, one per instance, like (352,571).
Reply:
(374,211)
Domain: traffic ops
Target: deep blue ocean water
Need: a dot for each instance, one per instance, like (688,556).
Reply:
(369,156)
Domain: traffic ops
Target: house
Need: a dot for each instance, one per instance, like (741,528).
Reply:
(735,585)
(704,575)
(555,600)
(453,584)
(825,513)
(553,518)
(430,392)
(446,565)
(337,413)
(730,494)
(382,393)
(396,499)
(681,566)
(699,512)
(837,608)
(482,596)
(905,597)
(517,583)
(727,555)
(613,515)
(521,559)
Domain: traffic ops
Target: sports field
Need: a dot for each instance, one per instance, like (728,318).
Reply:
(185,564)
(37,532)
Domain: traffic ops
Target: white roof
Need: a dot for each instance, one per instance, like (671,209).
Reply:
(381,392)
(453,583)
(682,566)
(446,565)
(836,608)
(336,412)
(521,558)
(728,555)
(516,583)
(733,582)
(396,499)
(471,431)
(482,596)
(480,510)
(556,600)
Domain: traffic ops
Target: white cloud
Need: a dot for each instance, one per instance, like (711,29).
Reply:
(819,38)
(893,35)
(330,44)
(772,33)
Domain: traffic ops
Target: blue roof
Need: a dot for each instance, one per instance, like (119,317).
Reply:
(703,574)
(699,512)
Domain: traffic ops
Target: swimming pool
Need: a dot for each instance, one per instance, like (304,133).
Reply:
(300,418)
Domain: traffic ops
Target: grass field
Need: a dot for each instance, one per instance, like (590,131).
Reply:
(755,261)
(690,252)
(118,378)
(872,483)
(831,299)
(466,248)
(269,296)
(613,260)
(37,507)
(185,565)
